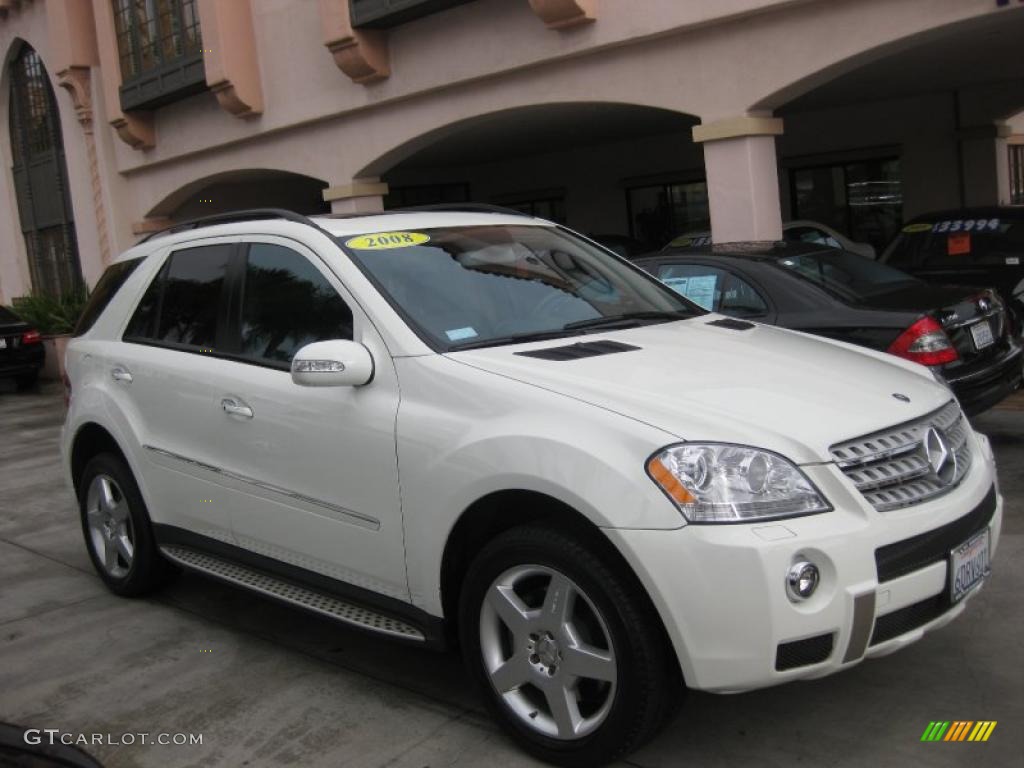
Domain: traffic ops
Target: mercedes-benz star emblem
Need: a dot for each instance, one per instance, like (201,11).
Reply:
(940,458)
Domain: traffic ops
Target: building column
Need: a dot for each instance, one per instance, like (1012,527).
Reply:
(742,177)
(985,164)
(359,196)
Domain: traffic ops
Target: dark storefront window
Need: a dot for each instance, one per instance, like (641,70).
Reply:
(426,194)
(41,179)
(1017,174)
(550,208)
(862,199)
(160,47)
(661,212)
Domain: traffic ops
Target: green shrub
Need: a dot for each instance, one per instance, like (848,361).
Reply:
(49,314)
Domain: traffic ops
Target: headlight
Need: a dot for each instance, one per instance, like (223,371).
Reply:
(716,482)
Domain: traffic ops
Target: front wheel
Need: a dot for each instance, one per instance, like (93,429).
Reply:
(565,647)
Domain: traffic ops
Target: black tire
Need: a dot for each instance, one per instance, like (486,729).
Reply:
(26,381)
(648,682)
(148,570)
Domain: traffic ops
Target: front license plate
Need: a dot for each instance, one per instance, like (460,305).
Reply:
(982,334)
(968,566)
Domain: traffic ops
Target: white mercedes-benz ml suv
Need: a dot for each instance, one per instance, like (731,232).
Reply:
(475,428)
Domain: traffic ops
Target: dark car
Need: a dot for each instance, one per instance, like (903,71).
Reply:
(21,350)
(962,333)
(971,246)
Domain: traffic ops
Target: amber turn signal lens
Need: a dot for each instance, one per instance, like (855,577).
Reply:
(668,482)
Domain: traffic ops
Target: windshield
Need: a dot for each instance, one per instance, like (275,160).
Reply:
(847,275)
(6,316)
(955,242)
(472,286)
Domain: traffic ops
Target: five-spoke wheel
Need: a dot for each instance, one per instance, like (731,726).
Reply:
(547,651)
(110,525)
(565,646)
(117,528)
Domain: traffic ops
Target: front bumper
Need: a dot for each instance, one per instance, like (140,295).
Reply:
(720,589)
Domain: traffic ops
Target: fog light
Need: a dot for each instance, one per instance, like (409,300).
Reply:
(802,580)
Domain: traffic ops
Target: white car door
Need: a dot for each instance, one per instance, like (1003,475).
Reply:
(317,466)
(159,375)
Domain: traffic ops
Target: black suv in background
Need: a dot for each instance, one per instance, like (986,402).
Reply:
(961,333)
(970,246)
(21,350)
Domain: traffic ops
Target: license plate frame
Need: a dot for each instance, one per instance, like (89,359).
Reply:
(982,336)
(970,564)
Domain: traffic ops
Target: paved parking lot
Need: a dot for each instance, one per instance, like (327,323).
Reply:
(266,685)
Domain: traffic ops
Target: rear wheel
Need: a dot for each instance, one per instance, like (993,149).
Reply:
(117,530)
(565,647)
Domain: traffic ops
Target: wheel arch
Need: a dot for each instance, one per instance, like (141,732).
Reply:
(500,511)
(90,440)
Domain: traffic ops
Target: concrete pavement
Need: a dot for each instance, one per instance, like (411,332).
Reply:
(266,685)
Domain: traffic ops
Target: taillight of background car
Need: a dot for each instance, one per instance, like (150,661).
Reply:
(925,342)
(31,336)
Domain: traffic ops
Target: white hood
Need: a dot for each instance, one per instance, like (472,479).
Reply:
(767,387)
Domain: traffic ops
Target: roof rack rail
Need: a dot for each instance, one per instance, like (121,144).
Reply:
(462,208)
(230,216)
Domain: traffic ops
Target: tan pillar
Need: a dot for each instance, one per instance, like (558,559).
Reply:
(742,178)
(359,196)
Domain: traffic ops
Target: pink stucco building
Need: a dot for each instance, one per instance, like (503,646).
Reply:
(633,117)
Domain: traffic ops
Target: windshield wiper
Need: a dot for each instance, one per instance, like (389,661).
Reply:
(613,320)
(516,338)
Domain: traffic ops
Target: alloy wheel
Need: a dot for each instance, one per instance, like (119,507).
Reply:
(110,526)
(548,652)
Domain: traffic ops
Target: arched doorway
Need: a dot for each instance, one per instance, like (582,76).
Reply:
(619,172)
(41,178)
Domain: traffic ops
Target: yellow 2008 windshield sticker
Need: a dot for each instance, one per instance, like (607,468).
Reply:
(382,241)
(920,227)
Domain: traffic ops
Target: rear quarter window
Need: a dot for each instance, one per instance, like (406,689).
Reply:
(107,287)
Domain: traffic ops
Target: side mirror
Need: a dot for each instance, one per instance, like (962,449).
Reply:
(334,363)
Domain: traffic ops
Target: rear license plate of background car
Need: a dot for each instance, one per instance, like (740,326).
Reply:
(3,343)
(982,334)
(968,565)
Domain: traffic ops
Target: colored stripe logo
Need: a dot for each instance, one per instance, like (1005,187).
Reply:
(958,730)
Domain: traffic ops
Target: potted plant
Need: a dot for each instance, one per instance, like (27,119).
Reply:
(55,318)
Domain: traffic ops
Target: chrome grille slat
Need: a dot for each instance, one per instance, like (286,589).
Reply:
(890,467)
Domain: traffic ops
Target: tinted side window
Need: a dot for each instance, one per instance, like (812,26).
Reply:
(113,278)
(741,299)
(286,304)
(182,304)
(192,294)
(143,322)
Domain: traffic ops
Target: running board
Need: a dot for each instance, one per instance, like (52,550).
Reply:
(291,593)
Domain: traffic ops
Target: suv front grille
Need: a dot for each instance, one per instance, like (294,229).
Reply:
(894,468)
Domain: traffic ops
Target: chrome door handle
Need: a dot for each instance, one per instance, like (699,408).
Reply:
(121,374)
(236,408)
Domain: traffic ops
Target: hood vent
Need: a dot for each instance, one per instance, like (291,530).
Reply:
(580,350)
(732,325)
